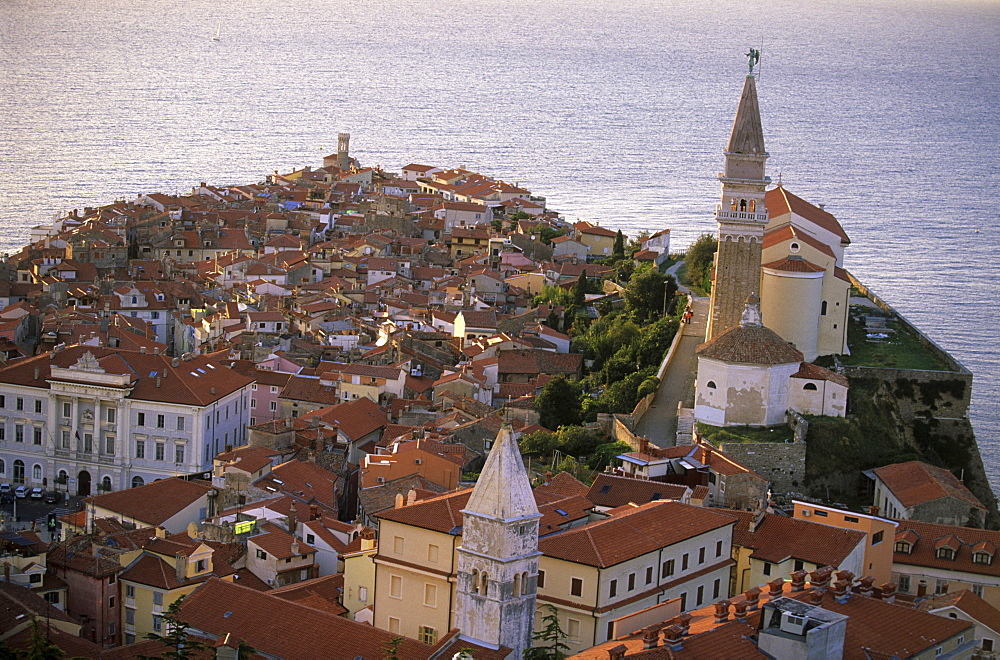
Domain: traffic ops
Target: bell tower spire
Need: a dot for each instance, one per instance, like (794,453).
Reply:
(741,214)
(498,558)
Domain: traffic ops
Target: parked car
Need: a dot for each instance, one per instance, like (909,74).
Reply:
(21,492)
(37,493)
(53,497)
(5,489)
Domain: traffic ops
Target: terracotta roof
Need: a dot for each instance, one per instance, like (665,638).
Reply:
(927,536)
(750,345)
(286,629)
(778,538)
(629,534)
(154,571)
(779,201)
(811,371)
(355,419)
(439,514)
(558,487)
(321,593)
(537,361)
(278,543)
(794,264)
(971,604)
(612,491)
(915,483)
(198,381)
(154,502)
(788,232)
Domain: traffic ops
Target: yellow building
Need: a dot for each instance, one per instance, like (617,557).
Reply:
(162,572)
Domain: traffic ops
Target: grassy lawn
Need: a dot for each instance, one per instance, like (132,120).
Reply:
(899,350)
(718,434)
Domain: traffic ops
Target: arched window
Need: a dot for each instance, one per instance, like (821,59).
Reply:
(753,206)
(525,589)
(475,581)
(517,584)
(743,205)
(19,471)
(809,386)
(36,472)
(822,309)
(484,584)
(710,384)
(106,484)
(135,300)
(63,477)
(732,204)
(137,481)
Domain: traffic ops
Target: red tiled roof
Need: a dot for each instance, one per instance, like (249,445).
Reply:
(286,629)
(916,482)
(154,502)
(779,201)
(794,264)
(629,534)
(924,538)
(778,538)
(750,345)
(613,491)
(812,371)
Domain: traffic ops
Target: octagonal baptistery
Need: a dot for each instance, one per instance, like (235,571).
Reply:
(743,374)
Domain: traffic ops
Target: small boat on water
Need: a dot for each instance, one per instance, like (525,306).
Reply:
(218,32)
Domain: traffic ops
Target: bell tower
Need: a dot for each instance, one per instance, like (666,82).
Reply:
(498,558)
(741,214)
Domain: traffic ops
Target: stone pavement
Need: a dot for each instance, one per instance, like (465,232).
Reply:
(659,424)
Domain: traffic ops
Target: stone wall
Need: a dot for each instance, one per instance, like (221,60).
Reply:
(783,464)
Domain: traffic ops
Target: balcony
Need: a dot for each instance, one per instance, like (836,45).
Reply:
(745,216)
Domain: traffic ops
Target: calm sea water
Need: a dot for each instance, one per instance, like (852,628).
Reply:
(887,112)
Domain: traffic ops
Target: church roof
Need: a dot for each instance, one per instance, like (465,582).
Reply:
(503,490)
(779,202)
(794,264)
(748,134)
(750,345)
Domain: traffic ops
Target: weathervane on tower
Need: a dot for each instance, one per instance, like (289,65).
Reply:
(754,57)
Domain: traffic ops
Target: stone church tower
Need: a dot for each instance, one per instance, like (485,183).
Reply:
(741,215)
(498,558)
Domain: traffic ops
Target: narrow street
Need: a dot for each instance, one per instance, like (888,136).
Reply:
(659,424)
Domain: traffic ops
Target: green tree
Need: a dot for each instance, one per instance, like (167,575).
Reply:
(540,443)
(176,640)
(649,294)
(618,251)
(546,234)
(40,649)
(580,291)
(559,403)
(577,441)
(550,641)
(604,454)
(699,259)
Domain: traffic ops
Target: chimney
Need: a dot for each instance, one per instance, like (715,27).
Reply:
(847,577)
(873,510)
(753,597)
(367,538)
(157,381)
(684,621)
(650,637)
(865,585)
(799,580)
(38,372)
(176,362)
(293,522)
(672,637)
(722,611)
(815,597)
(740,610)
(180,565)
(313,512)
(618,652)
(142,349)
(821,577)
(889,591)
(921,589)
(295,548)
(840,590)
(775,587)
(211,391)
(399,501)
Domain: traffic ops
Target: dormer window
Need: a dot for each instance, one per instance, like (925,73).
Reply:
(904,547)
(811,387)
(945,553)
(982,558)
